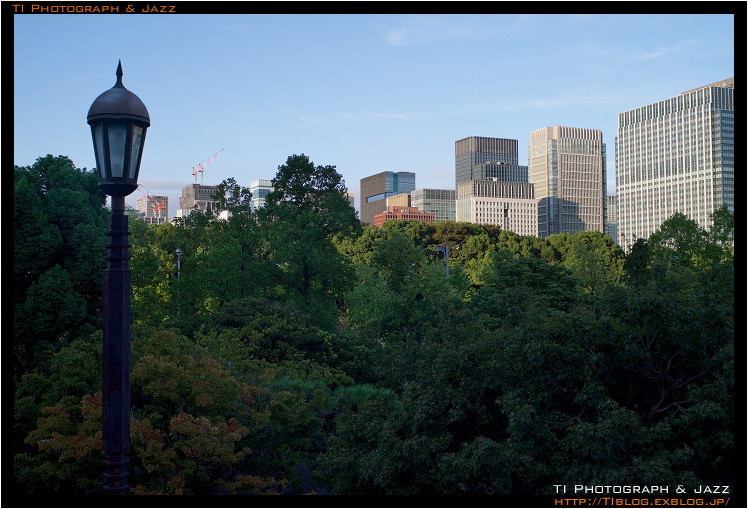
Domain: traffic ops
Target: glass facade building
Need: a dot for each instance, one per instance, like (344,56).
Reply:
(440,202)
(480,158)
(675,155)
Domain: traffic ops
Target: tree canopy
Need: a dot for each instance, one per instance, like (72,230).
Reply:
(298,352)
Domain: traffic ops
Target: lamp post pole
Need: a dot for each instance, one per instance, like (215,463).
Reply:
(118,120)
(116,361)
(444,249)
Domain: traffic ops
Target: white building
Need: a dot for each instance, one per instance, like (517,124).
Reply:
(153,209)
(510,205)
(260,189)
(675,155)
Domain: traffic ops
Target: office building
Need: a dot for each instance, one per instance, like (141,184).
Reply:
(567,166)
(153,209)
(402,213)
(480,158)
(377,188)
(440,202)
(197,197)
(399,200)
(260,189)
(611,219)
(510,205)
(675,155)
(492,187)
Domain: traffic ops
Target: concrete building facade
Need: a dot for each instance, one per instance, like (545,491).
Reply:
(153,209)
(567,166)
(399,200)
(675,155)
(197,197)
(510,205)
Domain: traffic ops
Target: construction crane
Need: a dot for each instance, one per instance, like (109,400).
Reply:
(200,167)
(156,206)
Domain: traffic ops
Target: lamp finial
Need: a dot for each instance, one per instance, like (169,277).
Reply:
(119,76)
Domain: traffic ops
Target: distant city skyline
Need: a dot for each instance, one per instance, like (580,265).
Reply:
(366,93)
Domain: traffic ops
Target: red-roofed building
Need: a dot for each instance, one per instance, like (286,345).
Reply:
(403,213)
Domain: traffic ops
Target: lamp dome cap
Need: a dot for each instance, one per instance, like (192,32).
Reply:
(118,102)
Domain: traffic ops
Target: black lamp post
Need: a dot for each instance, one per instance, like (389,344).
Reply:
(118,120)
(444,249)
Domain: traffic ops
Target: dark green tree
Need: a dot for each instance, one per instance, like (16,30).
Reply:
(303,213)
(232,197)
(58,257)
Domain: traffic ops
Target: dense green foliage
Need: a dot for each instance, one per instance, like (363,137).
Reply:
(58,258)
(297,352)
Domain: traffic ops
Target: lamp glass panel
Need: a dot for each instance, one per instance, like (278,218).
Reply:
(117,148)
(137,143)
(98,134)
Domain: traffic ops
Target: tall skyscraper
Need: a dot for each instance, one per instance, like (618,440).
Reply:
(567,166)
(492,187)
(440,202)
(377,188)
(675,155)
(479,158)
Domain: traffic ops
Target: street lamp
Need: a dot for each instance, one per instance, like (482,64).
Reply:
(179,262)
(444,249)
(118,120)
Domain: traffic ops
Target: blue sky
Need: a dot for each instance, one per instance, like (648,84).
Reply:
(367,93)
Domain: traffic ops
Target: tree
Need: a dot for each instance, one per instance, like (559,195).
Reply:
(58,256)
(722,229)
(594,260)
(515,285)
(302,186)
(303,213)
(396,258)
(232,197)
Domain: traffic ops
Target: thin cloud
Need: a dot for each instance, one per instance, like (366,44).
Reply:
(365,116)
(319,120)
(550,103)
(665,50)
(428,29)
